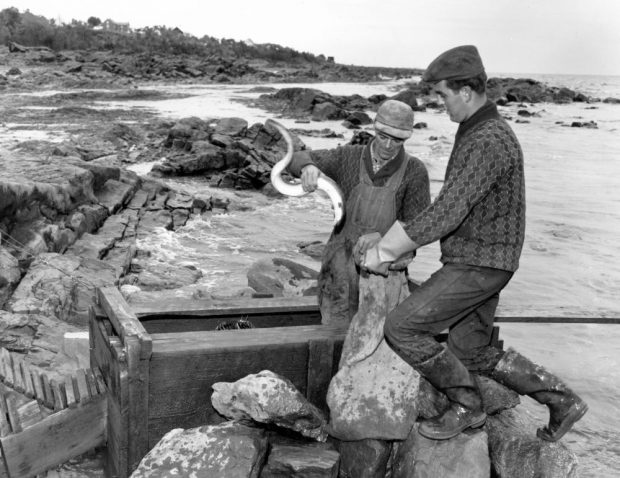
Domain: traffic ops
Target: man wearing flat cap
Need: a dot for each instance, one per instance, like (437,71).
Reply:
(381,183)
(479,218)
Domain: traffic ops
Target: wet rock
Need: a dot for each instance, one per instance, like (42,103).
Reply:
(464,455)
(61,286)
(516,451)
(359,118)
(150,274)
(282,278)
(313,249)
(267,397)
(408,97)
(327,111)
(364,458)
(301,460)
(230,449)
(231,126)
(584,124)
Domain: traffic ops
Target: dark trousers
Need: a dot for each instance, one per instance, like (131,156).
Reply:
(460,298)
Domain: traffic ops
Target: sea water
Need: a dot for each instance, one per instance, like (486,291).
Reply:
(569,266)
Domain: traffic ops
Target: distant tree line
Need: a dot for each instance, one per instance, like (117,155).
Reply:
(33,30)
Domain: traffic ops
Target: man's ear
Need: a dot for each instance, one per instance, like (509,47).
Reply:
(466,93)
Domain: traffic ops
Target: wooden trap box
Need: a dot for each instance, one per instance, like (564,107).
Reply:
(159,361)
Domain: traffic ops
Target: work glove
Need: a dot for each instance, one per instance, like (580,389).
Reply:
(365,242)
(392,246)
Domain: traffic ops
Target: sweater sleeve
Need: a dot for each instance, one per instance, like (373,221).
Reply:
(417,195)
(476,170)
(327,160)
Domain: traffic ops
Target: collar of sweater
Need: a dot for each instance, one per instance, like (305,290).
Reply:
(486,112)
(388,168)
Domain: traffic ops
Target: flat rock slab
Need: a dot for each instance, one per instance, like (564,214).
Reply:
(301,461)
(228,450)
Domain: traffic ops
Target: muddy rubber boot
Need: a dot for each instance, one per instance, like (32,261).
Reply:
(527,378)
(446,373)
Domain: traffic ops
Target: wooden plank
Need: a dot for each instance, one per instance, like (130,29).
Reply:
(12,406)
(25,371)
(5,426)
(241,306)
(320,366)
(37,384)
(115,463)
(60,397)
(56,439)
(83,390)
(138,383)
(7,366)
(18,384)
(124,320)
(48,401)
(69,387)
(182,343)
(29,413)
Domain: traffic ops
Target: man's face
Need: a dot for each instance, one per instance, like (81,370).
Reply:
(386,146)
(454,101)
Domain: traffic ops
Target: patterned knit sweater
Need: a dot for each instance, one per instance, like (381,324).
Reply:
(479,214)
(342,164)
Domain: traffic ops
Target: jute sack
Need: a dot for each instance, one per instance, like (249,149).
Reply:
(373,394)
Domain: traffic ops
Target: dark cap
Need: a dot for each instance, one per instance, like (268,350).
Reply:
(458,63)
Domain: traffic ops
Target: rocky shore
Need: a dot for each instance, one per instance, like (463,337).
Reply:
(71,212)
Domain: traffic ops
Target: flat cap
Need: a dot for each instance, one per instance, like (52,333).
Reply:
(395,118)
(457,63)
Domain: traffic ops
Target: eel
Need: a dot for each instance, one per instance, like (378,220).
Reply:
(324,183)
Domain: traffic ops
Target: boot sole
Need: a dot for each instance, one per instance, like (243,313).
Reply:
(576,413)
(476,423)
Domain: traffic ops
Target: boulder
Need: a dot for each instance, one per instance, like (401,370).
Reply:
(516,451)
(464,455)
(364,458)
(282,278)
(228,450)
(301,460)
(267,397)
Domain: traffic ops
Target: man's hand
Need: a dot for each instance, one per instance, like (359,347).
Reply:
(364,243)
(309,177)
(402,262)
(372,262)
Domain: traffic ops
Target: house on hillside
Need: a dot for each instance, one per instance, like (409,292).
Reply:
(113,26)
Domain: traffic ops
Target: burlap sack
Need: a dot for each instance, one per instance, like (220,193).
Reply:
(373,395)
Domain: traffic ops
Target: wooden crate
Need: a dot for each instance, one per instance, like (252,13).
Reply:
(160,362)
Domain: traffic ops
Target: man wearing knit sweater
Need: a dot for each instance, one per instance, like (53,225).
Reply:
(479,218)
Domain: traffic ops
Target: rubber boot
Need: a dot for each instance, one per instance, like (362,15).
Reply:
(527,378)
(446,373)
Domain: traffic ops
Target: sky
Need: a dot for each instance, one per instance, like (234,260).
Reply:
(512,36)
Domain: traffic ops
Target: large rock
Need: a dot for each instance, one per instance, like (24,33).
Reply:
(516,452)
(266,397)
(282,278)
(61,286)
(297,460)
(364,458)
(465,455)
(228,450)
